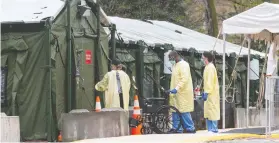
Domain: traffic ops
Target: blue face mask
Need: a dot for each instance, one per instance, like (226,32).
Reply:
(172,62)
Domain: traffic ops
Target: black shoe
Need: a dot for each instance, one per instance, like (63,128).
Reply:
(172,131)
(189,132)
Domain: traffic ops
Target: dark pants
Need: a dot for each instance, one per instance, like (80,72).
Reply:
(121,100)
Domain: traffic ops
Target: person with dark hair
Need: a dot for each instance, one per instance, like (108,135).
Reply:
(123,67)
(181,96)
(209,56)
(211,93)
(117,84)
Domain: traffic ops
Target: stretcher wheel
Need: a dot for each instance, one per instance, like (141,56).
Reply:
(162,120)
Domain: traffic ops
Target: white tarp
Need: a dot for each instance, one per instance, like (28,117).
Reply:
(29,10)
(254,20)
(33,11)
(258,23)
(162,32)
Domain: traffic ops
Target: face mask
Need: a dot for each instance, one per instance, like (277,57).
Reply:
(202,62)
(172,62)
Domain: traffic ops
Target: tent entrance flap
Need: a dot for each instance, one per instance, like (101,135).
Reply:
(84,73)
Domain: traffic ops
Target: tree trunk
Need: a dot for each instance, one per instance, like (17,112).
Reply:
(211,17)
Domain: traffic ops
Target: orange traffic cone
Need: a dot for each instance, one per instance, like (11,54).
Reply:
(98,104)
(136,115)
(59,138)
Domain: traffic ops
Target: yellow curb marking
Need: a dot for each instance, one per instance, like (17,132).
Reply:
(232,137)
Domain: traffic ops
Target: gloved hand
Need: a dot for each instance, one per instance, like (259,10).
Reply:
(173,91)
(167,92)
(204,96)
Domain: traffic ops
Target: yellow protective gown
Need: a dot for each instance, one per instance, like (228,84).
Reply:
(109,85)
(181,80)
(211,86)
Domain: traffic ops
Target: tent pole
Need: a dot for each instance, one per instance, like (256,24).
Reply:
(98,24)
(140,70)
(98,45)
(224,83)
(113,30)
(69,70)
(248,83)
(48,65)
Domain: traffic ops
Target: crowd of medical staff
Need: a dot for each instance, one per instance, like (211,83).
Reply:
(116,85)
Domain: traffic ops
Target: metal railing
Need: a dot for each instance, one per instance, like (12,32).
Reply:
(272,104)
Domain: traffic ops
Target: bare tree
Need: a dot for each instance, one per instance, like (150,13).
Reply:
(211,17)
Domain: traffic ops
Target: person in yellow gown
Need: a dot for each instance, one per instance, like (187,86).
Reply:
(116,85)
(211,93)
(181,91)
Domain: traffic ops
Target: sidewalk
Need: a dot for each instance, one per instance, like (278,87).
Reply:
(200,136)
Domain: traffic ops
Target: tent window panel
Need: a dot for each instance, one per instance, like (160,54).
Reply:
(4,75)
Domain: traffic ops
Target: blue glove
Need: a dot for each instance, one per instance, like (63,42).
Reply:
(204,96)
(174,91)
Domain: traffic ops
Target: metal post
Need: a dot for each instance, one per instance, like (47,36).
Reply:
(98,24)
(69,70)
(248,83)
(266,111)
(269,84)
(224,82)
(269,112)
(98,45)
(269,104)
(265,94)
(48,69)
(140,70)
(113,31)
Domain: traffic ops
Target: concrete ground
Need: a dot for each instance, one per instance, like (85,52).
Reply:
(249,141)
(200,136)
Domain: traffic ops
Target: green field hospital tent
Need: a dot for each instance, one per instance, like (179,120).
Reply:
(35,61)
(155,39)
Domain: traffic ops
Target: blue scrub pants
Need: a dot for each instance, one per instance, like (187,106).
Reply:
(187,121)
(212,126)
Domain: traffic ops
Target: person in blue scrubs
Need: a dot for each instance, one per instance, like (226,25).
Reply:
(182,96)
(211,93)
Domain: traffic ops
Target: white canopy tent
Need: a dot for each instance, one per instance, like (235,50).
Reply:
(258,23)
(162,32)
